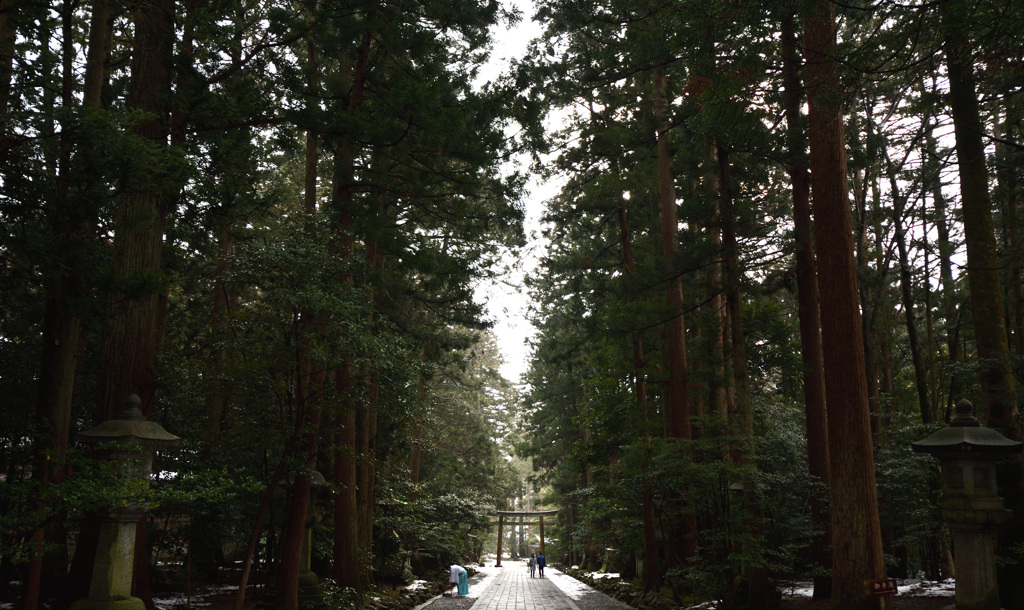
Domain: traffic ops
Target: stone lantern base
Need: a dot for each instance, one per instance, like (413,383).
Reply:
(111,584)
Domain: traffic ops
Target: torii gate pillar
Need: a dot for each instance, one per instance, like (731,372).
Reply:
(541,534)
(501,524)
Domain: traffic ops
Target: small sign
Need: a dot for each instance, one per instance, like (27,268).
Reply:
(881,588)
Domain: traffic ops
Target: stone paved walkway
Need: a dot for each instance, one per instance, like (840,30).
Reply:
(513,589)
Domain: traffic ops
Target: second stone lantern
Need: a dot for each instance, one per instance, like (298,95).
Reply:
(138,440)
(970,504)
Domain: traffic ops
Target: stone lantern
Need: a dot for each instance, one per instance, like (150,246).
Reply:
(309,582)
(969,503)
(111,585)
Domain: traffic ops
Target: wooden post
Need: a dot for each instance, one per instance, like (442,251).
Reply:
(501,524)
(522,535)
(541,534)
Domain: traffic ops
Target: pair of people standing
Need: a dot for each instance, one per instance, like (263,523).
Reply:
(536,563)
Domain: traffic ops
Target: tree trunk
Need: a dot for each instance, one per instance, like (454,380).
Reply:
(298,509)
(224,301)
(261,515)
(881,331)
(346,569)
(309,388)
(718,386)
(678,408)
(807,309)
(62,335)
(652,576)
(683,546)
(101,30)
(868,306)
(415,453)
(366,429)
(998,394)
(761,591)
(8,35)
(129,339)
(856,532)
(906,294)
(946,249)
(134,309)
(929,311)
(995,377)
(1008,180)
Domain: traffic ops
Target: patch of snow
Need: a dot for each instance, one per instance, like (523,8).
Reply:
(917,586)
(416,585)
(797,589)
(569,585)
(597,575)
(478,587)
(905,586)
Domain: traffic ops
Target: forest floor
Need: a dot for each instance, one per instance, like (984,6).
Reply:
(900,602)
(914,594)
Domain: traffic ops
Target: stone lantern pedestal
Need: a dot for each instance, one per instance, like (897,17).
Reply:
(111,584)
(969,503)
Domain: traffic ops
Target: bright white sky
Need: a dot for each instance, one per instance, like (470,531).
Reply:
(507,301)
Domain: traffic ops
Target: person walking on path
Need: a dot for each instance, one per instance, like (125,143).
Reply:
(541,562)
(533,564)
(460,578)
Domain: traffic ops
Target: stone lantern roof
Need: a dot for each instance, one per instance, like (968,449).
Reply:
(965,435)
(131,427)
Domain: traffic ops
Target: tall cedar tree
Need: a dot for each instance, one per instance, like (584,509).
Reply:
(807,308)
(998,394)
(856,532)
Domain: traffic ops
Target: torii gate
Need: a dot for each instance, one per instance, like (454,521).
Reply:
(521,514)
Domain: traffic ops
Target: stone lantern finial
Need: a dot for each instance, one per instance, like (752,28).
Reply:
(132,408)
(964,417)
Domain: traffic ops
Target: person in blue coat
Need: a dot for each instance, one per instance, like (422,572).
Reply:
(460,578)
(541,562)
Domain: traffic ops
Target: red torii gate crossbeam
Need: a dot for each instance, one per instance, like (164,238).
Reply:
(521,514)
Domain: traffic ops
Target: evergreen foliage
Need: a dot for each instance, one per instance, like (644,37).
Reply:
(322,186)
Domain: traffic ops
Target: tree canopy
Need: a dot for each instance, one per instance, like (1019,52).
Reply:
(785,243)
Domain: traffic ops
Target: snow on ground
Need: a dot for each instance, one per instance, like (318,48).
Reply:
(909,586)
(906,586)
(917,586)
(570,586)
(476,588)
